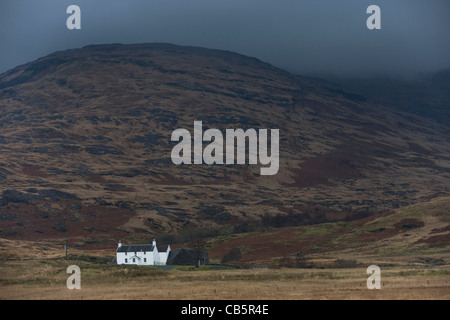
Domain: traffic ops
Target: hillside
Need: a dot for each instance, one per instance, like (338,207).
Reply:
(85,146)
(414,235)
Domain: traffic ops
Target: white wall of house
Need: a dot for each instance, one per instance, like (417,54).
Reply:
(163,256)
(140,258)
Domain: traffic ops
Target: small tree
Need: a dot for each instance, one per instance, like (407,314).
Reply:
(344,263)
(198,247)
(298,261)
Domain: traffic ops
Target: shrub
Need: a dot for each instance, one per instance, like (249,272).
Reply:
(344,263)
(298,261)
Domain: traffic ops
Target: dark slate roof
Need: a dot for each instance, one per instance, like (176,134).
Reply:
(172,255)
(187,256)
(162,248)
(141,247)
(135,248)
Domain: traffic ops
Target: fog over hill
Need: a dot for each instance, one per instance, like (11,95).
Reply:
(303,37)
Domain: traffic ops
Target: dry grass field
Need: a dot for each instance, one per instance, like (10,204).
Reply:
(46,280)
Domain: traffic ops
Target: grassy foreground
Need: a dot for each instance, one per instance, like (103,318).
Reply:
(46,279)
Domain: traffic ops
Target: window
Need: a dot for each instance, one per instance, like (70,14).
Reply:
(145,259)
(126,260)
(134,260)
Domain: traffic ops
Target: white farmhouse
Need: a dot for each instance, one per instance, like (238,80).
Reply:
(142,254)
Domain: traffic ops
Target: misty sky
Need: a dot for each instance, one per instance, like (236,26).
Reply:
(302,36)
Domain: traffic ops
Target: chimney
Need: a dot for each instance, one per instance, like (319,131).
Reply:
(154,243)
(119,245)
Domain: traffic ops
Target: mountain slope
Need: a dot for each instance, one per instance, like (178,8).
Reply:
(85,145)
(418,233)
